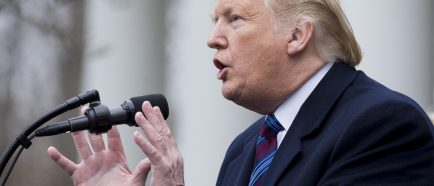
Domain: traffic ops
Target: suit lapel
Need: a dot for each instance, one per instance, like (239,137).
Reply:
(240,167)
(245,162)
(309,119)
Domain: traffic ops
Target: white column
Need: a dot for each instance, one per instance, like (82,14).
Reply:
(396,37)
(124,55)
(204,122)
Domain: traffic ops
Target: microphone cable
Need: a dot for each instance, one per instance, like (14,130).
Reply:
(22,140)
(11,167)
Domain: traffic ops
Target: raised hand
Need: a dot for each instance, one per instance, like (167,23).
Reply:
(108,166)
(167,164)
(104,166)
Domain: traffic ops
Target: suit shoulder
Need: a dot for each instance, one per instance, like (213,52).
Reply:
(379,132)
(366,94)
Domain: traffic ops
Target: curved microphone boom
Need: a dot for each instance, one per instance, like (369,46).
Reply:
(99,119)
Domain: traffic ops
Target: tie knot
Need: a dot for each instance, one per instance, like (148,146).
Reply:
(271,126)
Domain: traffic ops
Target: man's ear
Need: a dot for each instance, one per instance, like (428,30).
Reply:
(300,38)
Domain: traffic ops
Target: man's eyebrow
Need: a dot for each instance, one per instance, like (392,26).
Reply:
(226,12)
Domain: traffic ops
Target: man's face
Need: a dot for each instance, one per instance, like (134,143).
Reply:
(251,51)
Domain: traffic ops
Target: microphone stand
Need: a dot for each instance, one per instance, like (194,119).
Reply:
(23,137)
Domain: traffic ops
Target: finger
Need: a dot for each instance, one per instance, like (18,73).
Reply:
(114,140)
(81,145)
(65,163)
(149,112)
(166,132)
(141,172)
(153,135)
(165,128)
(83,109)
(150,151)
(159,113)
(97,142)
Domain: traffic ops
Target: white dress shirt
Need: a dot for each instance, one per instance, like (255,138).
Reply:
(287,111)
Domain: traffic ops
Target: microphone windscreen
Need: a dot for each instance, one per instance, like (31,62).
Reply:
(155,100)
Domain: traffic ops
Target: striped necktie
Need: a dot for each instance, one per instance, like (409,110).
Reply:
(266,146)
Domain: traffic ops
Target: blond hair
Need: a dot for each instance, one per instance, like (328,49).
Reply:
(333,35)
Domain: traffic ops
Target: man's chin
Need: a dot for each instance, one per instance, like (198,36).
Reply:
(228,96)
(230,93)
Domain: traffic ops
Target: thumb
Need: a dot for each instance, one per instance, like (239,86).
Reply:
(141,172)
(83,109)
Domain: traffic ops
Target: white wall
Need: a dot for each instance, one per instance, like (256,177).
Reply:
(396,40)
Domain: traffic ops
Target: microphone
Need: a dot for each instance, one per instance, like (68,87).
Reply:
(99,119)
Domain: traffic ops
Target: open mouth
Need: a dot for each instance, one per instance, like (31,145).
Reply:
(222,69)
(219,65)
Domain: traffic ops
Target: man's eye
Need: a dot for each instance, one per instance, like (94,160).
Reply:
(235,18)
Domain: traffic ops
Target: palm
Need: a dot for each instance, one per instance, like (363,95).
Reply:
(103,166)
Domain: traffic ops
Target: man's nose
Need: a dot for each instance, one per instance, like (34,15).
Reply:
(217,39)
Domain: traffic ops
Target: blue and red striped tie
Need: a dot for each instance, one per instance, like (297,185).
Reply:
(266,146)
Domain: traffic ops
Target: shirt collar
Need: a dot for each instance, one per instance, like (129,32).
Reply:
(287,111)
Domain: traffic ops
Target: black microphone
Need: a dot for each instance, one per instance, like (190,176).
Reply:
(99,119)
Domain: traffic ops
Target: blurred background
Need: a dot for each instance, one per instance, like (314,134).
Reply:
(51,50)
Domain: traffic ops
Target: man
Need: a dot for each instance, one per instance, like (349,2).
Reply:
(325,123)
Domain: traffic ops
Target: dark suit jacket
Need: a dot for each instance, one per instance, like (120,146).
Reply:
(350,131)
